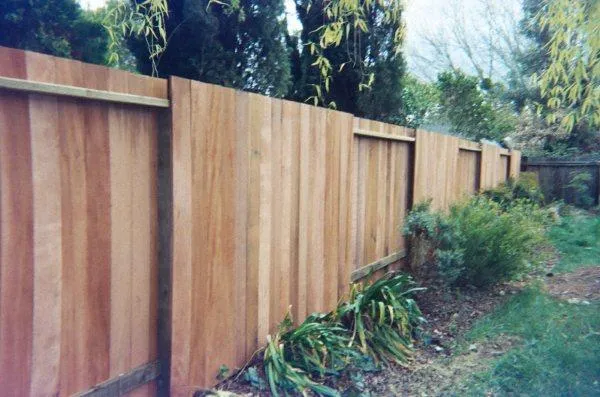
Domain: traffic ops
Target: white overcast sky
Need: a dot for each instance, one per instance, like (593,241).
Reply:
(419,16)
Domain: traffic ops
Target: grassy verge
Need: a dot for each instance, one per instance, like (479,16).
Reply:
(560,350)
(560,354)
(577,238)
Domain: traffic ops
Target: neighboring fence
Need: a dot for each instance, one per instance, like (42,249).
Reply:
(556,175)
(140,227)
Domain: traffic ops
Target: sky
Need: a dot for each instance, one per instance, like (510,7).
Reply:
(422,17)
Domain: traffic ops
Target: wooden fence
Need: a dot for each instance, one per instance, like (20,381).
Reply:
(143,227)
(78,221)
(278,204)
(555,176)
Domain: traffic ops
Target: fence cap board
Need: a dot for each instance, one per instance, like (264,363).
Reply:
(37,87)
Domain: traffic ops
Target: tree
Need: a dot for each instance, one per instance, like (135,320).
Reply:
(244,50)
(570,81)
(420,103)
(471,107)
(365,70)
(146,20)
(55,27)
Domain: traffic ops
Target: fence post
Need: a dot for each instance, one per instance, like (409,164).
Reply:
(164,235)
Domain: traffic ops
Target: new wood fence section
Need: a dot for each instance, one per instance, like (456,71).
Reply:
(244,205)
(78,222)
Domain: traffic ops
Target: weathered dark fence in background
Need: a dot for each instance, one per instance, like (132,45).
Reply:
(555,176)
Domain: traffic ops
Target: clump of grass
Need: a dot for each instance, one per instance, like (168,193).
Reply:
(377,322)
(577,238)
(559,354)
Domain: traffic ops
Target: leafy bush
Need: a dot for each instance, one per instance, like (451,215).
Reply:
(580,185)
(426,231)
(525,187)
(493,243)
(482,241)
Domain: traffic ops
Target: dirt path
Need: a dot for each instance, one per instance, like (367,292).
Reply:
(581,285)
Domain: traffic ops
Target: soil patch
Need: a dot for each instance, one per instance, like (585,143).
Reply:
(578,286)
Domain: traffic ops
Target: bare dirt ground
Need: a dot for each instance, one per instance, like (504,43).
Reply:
(580,285)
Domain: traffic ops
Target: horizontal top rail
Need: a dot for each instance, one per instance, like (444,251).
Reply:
(383,135)
(563,163)
(470,148)
(79,92)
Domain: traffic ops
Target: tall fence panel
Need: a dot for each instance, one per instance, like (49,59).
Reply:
(382,178)
(280,205)
(78,221)
(262,183)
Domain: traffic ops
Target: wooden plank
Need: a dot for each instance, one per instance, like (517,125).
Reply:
(377,265)
(241,220)
(288,198)
(277,307)
(316,262)
(182,231)
(75,245)
(515,163)
(293,112)
(382,135)
(16,242)
(47,233)
(124,383)
(346,197)
(121,128)
(21,85)
(203,227)
(98,260)
(213,143)
(333,135)
(304,211)
(143,227)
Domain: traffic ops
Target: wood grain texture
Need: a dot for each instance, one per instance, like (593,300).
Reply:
(67,300)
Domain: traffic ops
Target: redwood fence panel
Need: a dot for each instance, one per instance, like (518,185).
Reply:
(260,205)
(78,220)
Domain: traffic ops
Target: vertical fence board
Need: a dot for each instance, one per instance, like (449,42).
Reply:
(16,244)
(47,232)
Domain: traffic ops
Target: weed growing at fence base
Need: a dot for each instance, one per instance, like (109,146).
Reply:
(559,354)
(578,240)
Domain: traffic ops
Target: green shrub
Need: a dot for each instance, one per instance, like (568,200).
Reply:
(580,186)
(525,187)
(482,241)
(493,243)
(425,231)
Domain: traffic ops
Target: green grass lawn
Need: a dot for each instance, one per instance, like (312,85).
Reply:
(577,238)
(560,350)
